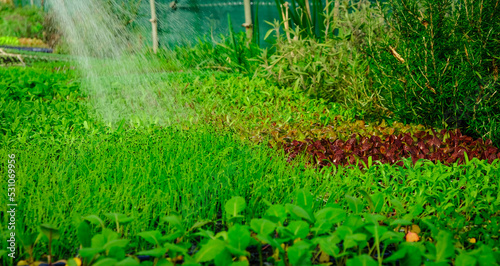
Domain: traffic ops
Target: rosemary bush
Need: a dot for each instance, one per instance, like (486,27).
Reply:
(441,66)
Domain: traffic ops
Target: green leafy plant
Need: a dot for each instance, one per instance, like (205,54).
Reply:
(5,40)
(232,53)
(298,233)
(20,22)
(333,67)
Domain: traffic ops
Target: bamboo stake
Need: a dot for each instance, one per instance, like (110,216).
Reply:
(248,20)
(336,11)
(308,9)
(327,19)
(285,17)
(154,24)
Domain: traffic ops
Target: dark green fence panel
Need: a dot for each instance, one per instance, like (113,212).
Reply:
(184,21)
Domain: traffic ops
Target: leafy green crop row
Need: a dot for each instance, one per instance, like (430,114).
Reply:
(40,103)
(286,234)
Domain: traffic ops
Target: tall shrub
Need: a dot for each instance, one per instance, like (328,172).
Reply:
(441,67)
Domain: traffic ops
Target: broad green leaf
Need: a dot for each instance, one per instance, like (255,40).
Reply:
(362,260)
(234,206)
(321,227)
(354,240)
(398,205)
(84,234)
(391,237)
(94,219)
(487,256)
(89,252)
(262,226)
(355,204)
(116,252)
(198,225)
(433,263)
(110,234)
(378,202)
(165,262)
(332,215)
(373,218)
(172,236)
(304,199)
(222,234)
(105,262)
(271,241)
(240,263)
(98,241)
(444,246)
(119,218)
(50,231)
(354,222)
(223,258)
(129,262)
(329,245)
(299,212)
(416,210)
(174,220)
(239,236)
(122,243)
(237,252)
(465,260)
(299,229)
(210,250)
(401,222)
(156,252)
(413,254)
(299,253)
(176,248)
(276,213)
(401,253)
(153,237)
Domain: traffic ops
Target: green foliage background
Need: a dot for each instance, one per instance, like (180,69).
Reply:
(21,22)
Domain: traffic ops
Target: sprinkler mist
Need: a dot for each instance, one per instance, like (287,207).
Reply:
(117,75)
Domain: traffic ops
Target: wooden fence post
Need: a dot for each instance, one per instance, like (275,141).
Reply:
(248,20)
(154,24)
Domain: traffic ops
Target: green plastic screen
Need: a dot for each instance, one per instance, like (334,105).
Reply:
(188,20)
